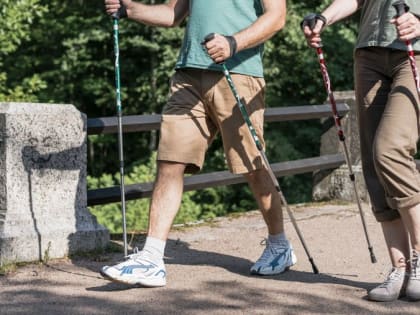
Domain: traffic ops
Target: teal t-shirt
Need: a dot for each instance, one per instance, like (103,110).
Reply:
(375,29)
(225,17)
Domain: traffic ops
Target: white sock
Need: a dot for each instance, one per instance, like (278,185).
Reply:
(155,246)
(277,239)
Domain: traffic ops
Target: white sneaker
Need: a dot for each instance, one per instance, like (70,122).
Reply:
(274,259)
(391,289)
(140,268)
(413,286)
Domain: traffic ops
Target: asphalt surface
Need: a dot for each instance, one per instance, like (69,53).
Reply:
(208,273)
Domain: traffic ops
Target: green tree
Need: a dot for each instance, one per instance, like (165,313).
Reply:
(62,52)
(15,29)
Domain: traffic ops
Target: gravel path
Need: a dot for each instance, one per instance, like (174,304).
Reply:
(208,273)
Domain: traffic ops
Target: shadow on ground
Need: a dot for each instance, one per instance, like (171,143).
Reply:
(211,280)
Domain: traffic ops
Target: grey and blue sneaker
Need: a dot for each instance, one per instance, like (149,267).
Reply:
(275,259)
(139,268)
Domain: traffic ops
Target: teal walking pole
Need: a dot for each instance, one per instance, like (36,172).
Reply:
(116,17)
(260,148)
(267,164)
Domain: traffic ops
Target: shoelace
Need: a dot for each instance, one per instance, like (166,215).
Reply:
(136,253)
(144,257)
(393,276)
(269,250)
(415,264)
(267,253)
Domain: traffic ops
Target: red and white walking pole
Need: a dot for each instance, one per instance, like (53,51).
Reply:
(402,8)
(310,20)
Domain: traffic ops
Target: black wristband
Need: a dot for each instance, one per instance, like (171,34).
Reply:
(232,44)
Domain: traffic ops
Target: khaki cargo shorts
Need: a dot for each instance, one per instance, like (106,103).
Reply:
(201,104)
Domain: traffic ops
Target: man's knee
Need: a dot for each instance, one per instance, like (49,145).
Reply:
(260,178)
(167,168)
(253,176)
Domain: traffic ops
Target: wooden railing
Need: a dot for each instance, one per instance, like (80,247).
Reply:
(139,123)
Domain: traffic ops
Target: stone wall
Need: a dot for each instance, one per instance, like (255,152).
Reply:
(336,184)
(43,210)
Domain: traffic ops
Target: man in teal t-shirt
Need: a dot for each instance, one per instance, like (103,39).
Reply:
(202,105)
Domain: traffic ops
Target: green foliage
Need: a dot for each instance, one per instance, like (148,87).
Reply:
(15,24)
(293,78)
(137,210)
(15,29)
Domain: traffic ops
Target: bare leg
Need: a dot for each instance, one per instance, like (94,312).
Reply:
(411,219)
(268,200)
(166,198)
(278,254)
(396,238)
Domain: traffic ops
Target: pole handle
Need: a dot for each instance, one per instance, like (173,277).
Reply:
(207,38)
(311,19)
(121,13)
(401,7)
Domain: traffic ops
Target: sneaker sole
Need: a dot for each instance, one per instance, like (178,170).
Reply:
(255,272)
(382,299)
(146,284)
(413,298)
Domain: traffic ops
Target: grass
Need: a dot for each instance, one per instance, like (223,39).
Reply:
(94,255)
(9,268)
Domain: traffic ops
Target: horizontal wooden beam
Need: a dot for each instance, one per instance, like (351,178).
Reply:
(132,123)
(136,123)
(305,112)
(222,178)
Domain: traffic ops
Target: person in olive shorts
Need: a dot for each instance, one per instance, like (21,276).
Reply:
(200,106)
(388,112)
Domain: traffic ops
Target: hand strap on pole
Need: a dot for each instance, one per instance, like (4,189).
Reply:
(233,45)
(121,13)
(311,19)
(401,7)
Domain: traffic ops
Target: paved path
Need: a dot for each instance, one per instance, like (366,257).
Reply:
(208,273)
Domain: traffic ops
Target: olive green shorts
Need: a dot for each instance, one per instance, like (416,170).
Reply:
(200,106)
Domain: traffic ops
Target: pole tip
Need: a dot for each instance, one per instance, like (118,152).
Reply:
(372,256)
(314,267)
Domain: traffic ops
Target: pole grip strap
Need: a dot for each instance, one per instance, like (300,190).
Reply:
(311,19)
(121,13)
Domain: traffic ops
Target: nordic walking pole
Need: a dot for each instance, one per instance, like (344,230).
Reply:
(116,17)
(402,8)
(311,20)
(264,157)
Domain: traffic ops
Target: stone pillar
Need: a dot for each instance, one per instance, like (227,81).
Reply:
(336,184)
(43,203)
